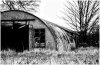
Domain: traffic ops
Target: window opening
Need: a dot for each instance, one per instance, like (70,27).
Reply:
(39,38)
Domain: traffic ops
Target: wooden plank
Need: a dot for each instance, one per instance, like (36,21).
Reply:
(20,20)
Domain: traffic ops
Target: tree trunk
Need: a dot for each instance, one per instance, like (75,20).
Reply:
(83,39)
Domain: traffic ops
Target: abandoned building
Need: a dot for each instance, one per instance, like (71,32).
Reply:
(21,30)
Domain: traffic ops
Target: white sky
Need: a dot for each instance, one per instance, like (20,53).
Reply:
(50,10)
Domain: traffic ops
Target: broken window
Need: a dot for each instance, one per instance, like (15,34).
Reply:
(39,38)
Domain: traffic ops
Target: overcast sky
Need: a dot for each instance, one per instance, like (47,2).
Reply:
(51,10)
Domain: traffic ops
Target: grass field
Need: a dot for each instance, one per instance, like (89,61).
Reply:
(81,56)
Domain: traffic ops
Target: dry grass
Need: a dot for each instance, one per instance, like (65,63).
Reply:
(82,56)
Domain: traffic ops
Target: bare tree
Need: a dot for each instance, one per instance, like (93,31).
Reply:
(27,5)
(83,17)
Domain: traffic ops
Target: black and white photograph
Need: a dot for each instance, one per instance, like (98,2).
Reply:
(49,32)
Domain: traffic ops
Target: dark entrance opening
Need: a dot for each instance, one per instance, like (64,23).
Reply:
(14,35)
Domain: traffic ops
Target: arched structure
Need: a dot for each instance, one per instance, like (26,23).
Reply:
(21,30)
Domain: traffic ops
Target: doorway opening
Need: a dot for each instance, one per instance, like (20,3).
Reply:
(14,35)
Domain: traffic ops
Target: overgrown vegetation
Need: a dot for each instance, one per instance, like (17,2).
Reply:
(47,57)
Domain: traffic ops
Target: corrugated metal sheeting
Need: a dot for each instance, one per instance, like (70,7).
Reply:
(63,39)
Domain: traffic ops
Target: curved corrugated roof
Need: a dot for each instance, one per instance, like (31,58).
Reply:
(61,35)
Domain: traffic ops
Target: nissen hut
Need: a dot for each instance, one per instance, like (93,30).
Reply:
(21,31)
